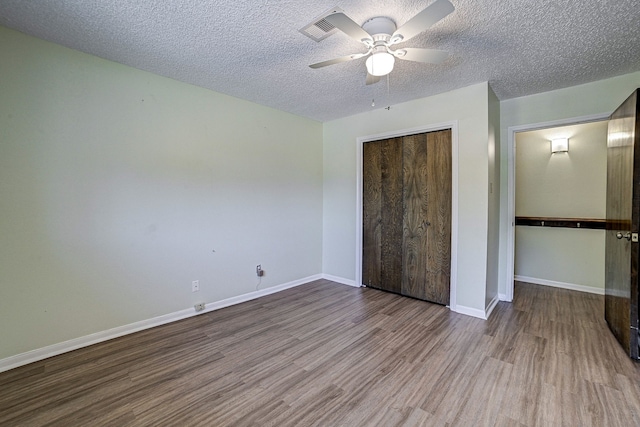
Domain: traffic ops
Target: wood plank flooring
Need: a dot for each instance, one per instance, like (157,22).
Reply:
(330,355)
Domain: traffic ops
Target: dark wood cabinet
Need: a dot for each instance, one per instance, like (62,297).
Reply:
(407,215)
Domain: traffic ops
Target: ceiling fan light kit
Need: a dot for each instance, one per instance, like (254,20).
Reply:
(380,33)
(380,63)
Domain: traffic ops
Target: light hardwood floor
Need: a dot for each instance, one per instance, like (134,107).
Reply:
(331,355)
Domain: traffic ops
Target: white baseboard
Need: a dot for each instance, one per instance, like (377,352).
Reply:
(474,312)
(468,311)
(76,343)
(503,297)
(257,294)
(491,306)
(341,280)
(570,286)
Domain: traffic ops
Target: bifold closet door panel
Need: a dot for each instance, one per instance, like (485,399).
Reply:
(415,224)
(382,214)
(439,166)
(426,235)
(371,213)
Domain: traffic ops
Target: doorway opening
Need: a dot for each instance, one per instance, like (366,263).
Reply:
(547,227)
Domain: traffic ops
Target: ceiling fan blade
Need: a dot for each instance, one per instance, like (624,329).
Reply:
(338,60)
(371,79)
(430,56)
(422,21)
(349,27)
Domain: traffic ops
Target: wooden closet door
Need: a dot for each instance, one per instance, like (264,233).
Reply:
(382,215)
(406,210)
(426,237)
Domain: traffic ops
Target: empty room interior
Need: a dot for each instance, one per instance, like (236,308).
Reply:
(289,213)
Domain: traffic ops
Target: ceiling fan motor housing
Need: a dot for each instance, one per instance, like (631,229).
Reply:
(380,28)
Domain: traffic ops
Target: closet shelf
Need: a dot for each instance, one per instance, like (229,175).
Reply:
(536,221)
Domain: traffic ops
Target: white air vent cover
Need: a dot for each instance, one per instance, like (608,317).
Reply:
(319,28)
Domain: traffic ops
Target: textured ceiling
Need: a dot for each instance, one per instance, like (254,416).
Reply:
(253,50)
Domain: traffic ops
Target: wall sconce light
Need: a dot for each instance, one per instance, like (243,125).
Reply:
(559,145)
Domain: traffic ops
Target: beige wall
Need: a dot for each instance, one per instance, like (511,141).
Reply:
(469,107)
(117,185)
(561,185)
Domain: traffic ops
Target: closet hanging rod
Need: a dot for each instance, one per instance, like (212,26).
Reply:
(536,221)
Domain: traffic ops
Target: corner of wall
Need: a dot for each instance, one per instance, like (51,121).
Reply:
(493,228)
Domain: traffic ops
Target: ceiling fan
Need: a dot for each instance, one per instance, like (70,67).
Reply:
(380,33)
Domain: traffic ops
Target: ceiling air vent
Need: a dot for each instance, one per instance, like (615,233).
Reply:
(319,28)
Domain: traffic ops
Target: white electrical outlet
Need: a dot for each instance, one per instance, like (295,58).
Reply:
(195,286)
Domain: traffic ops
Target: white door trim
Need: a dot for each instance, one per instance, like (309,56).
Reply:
(511,183)
(453,125)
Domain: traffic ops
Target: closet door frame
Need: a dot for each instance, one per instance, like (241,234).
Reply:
(360,141)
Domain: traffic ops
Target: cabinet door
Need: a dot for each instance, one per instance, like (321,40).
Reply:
(382,215)
(426,236)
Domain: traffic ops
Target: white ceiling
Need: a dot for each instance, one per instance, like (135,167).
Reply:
(253,50)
